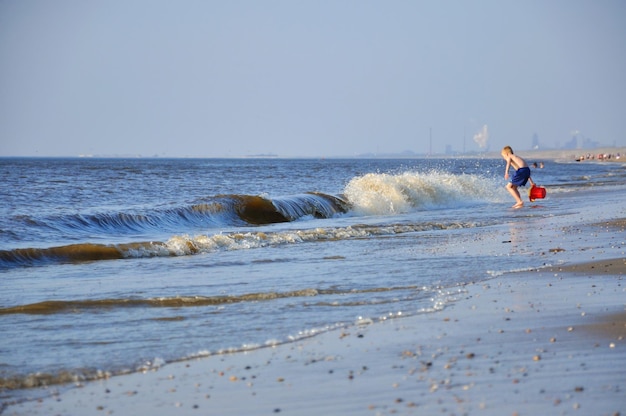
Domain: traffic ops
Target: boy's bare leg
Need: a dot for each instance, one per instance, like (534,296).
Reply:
(515,193)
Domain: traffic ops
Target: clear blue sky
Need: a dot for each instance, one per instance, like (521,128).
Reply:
(307,78)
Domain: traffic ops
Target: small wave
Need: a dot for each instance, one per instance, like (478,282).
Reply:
(57,306)
(73,252)
(73,306)
(76,253)
(184,245)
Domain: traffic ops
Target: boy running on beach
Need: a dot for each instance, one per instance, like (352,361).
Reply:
(521,176)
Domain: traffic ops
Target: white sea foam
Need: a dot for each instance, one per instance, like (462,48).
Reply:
(383,194)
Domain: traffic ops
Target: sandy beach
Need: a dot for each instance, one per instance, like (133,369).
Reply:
(545,341)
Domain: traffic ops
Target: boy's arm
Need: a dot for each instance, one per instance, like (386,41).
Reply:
(508,166)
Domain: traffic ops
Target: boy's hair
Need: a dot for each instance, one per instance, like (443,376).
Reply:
(508,149)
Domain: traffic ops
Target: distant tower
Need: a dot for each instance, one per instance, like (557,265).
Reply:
(463,140)
(430,137)
(535,141)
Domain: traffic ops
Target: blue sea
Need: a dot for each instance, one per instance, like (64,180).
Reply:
(111,266)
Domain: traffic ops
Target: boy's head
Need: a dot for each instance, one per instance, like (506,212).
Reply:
(507,151)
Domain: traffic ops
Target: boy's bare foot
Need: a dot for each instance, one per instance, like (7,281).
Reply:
(518,205)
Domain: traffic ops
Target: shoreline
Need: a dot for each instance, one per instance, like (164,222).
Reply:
(497,350)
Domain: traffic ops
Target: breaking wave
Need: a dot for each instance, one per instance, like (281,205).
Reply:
(216,211)
(383,194)
(369,194)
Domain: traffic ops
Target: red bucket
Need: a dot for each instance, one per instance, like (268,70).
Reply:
(536,192)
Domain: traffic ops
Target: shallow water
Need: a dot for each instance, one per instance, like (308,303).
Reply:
(116,265)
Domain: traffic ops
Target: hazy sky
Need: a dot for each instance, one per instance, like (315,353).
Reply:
(308,78)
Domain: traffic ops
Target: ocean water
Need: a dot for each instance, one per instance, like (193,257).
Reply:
(110,266)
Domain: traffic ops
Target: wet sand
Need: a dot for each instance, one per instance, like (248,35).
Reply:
(541,342)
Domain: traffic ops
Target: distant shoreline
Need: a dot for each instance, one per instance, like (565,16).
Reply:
(570,154)
(530,155)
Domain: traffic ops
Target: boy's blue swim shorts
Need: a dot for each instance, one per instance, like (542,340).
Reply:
(521,177)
